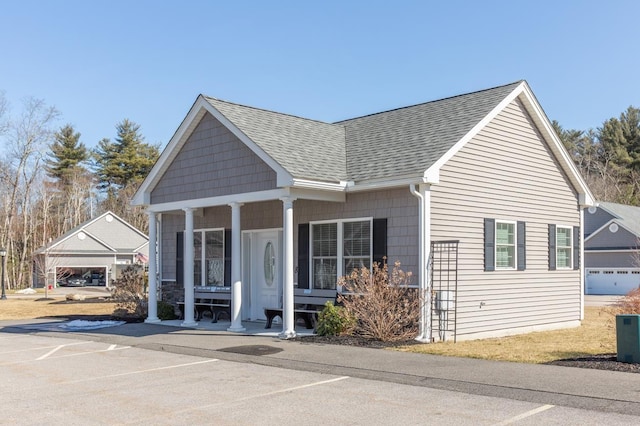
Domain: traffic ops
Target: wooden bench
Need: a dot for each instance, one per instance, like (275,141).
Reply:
(307,304)
(214,300)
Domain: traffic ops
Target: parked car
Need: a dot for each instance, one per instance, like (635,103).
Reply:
(76,281)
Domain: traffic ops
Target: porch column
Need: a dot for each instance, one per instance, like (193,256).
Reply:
(423,194)
(236,270)
(288,322)
(152,307)
(189,299)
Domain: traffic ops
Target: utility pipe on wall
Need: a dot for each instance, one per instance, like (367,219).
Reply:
(423,194)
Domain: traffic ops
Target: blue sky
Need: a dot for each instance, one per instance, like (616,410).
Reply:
(101,61)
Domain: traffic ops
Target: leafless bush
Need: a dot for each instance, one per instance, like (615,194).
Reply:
(129,294)
(629,304)
(384,306)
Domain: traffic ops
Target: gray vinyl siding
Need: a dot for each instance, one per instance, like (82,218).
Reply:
(212,162)
(74,244)
(81,261)
(594,221)
(607,239)
(618,259)
(116,234)
(507,172)
(398,206)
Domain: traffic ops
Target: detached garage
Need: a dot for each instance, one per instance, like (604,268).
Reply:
(90,254)
(612,257)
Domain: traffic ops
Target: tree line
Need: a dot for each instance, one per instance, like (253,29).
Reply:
(608,156)
(50,182)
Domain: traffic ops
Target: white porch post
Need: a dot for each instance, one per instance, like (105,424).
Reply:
(288,322)
(189,299)
(423,194)
(152,307)
(236,270)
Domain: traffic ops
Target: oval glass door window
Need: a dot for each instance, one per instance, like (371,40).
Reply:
(269,263)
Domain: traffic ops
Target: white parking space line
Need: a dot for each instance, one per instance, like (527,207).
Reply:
(256,396)
(168,367)
(525,415)
(51,352)
(39,348)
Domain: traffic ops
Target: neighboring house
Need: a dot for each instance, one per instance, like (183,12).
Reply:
(264,202)
(611,254)
(90,254)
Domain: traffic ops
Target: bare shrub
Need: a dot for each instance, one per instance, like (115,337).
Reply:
(129,294)
(629,304)
(384,305)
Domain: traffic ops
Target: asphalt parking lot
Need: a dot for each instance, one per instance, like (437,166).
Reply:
(57,379)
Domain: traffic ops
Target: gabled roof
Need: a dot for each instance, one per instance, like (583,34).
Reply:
(110,246)
(625,216)
(407,144)
(297,144)
(413,138)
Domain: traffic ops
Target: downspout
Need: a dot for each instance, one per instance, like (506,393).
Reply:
(423,278)
(582,265)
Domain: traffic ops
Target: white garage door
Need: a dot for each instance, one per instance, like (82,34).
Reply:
(618,281)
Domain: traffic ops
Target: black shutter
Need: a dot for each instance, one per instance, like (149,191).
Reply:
(489,245)
(552,247)
(227,257)
(180,259)
(576,247)
(303,255)
(379,240)
(522,246)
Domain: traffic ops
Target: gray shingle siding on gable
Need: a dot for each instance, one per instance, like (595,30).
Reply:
(307,149)
(213,162)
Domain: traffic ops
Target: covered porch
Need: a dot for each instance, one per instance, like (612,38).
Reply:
(260,270)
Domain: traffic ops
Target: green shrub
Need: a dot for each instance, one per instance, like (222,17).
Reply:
(333,321)
(166,311)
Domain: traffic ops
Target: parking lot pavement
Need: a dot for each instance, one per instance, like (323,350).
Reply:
(67,378)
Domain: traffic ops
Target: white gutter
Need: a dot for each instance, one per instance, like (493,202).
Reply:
(424,237)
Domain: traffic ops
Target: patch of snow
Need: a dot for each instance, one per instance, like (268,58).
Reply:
(75,296)
(27,291)
(89,325)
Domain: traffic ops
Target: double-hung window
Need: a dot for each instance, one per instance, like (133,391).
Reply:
(505,245)
(564,247)
(338,248)
(208,257)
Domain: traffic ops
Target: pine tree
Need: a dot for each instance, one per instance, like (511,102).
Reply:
(125,161)
(67,156)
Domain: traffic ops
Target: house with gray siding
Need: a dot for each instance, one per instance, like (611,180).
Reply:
(611,249)
(90,254)
(263,203)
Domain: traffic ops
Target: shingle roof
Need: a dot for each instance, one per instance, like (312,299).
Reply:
(407,141)
(628,216)
(399,142)
(307,149)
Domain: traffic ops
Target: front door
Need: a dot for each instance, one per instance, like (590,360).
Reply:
(265,273)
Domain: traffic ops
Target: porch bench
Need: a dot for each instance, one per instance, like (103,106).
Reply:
(215,300)
(307,304)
